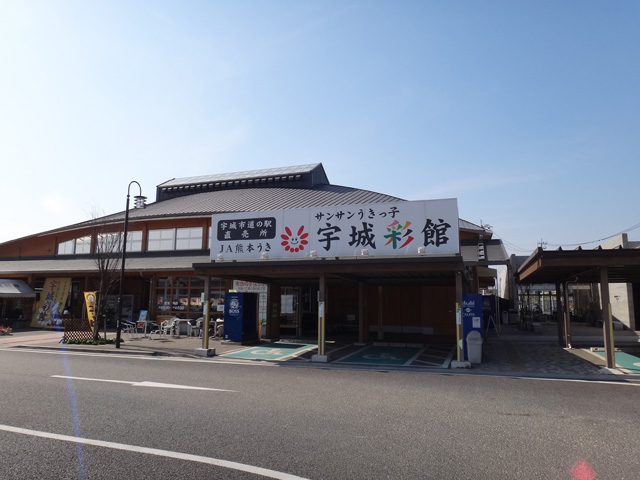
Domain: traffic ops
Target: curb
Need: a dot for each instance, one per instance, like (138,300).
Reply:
(605,374)
(87,350)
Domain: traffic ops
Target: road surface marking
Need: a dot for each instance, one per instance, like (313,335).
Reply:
(143,384)
(272,351)
(152,358)
(154,451)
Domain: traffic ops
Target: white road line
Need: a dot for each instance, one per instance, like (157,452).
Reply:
(154,451)
(629,382)
(143,384)
(577,380)
(412,359)
(219,361)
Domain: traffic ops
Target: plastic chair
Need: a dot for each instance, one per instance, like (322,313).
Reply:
(197,330)
(219,330)
(129,329)
(165,327)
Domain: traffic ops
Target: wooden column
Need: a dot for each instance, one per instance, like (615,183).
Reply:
(458,312)
(607,323)
(207,312)
(322,311)
(475,279)
(566,317)
(559,317)
(361,303)
(380,313)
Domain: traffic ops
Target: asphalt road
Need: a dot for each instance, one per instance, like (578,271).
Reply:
(305,422)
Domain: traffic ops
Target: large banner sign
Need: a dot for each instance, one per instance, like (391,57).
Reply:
(402,228)
(51,304)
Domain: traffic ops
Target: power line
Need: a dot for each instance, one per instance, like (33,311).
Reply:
(513,246)
(544,244)
(637,225)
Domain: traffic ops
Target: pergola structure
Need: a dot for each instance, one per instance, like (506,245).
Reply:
(603,266)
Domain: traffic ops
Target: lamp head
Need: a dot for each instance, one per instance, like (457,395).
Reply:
(139,201)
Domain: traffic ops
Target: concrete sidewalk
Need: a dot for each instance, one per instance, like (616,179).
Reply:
(508,352)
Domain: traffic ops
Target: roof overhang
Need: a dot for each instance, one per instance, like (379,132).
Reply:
(61,265)
(580,266)
(14,288)
(376,270)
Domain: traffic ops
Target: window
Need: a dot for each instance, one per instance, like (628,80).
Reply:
(111,242)
(66,248)
(180,296)
(76,246)
(83,245)
(134,241)
(161,239)
(188,238)
(108,243)
(174,239)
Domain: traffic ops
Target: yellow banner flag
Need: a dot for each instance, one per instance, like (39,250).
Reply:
(90,300)
(51,304)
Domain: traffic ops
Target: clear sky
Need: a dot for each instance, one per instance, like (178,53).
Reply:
(527,112)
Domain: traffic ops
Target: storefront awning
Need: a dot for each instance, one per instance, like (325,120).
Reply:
(11,288)
(376,270)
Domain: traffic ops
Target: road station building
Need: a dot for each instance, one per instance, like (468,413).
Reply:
(377,267)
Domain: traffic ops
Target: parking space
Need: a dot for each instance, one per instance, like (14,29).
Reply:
(382,355)
(435,356)
(629,360)
(432,356)
(271,351)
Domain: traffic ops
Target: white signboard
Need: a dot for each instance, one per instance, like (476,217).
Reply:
(401,228)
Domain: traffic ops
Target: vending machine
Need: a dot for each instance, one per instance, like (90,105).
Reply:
(240,316)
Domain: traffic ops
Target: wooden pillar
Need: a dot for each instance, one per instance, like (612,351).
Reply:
(380,313)
(322,309)
(607,323)
(361,303)
(475,279)
(459,341)
(559,317)
(207,312)
(566,317)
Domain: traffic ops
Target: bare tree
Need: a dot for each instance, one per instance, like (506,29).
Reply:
(107,257)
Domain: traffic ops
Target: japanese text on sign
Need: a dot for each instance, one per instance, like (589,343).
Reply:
(401,228)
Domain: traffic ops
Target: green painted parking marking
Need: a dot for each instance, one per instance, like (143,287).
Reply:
(435,356)
(381,355)
(271,351)
(629,362)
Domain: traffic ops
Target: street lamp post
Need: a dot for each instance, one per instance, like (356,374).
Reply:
(139,202)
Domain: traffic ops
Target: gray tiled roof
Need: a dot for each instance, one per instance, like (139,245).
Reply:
(472,227)
(219,177)
(253,199)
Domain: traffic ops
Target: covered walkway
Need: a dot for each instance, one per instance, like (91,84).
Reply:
(599,266)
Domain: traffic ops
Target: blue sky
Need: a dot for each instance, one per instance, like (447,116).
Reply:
(527,112)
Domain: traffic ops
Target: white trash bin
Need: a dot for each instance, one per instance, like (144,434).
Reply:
(474,347)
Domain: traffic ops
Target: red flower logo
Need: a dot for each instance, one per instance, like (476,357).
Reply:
(294,243)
